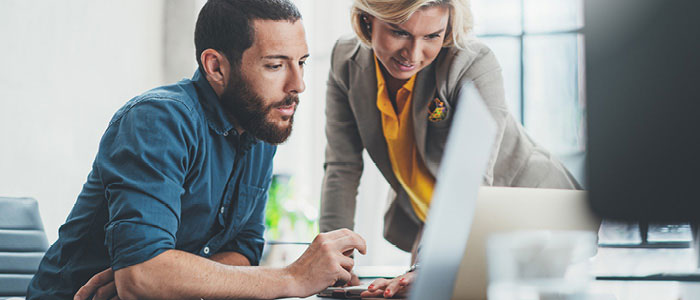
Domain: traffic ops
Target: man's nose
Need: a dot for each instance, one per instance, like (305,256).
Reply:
(295,81)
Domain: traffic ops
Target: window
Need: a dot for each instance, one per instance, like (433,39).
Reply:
(540,48)
(537,42)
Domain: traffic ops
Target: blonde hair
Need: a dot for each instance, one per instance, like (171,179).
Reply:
(399,11)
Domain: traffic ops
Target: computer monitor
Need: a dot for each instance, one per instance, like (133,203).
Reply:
(643,101)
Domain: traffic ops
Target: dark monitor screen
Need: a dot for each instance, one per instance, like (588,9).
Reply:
(643,108)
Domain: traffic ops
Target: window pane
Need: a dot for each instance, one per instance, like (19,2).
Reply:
(553,15)
(554,111)
(497,16)
(507,50)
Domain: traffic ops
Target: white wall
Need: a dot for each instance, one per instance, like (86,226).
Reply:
(65,68)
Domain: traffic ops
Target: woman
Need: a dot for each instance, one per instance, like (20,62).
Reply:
(392,90)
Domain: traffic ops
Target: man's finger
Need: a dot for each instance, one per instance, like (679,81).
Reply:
(343,277)
(354,281)
(350,242)
(343,235)
(93,284)
(106,292)
(347,263)
(338,233)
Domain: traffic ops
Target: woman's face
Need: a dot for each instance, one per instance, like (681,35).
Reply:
(407,48)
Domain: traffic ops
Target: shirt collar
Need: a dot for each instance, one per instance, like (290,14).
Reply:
(213,110)
(216,115)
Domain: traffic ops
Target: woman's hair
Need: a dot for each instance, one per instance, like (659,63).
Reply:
(399,11)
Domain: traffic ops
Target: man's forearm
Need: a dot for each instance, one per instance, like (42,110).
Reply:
(231,258)
(176,274)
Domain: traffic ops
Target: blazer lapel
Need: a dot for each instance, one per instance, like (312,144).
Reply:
(423,93)
(363,100)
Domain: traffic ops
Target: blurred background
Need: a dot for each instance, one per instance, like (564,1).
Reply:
(67,65)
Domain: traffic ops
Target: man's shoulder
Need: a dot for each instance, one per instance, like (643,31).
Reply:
(175,99)
(182,93)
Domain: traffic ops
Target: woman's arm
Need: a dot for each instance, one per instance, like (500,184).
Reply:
(343,162)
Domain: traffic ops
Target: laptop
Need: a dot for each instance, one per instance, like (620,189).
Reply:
(463,214)
(448,223)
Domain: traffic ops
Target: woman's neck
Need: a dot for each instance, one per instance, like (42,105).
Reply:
(392,84)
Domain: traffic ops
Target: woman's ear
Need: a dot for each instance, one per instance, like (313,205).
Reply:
(216,69)
(367,23)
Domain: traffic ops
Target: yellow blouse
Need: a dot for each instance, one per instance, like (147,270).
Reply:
(406,163)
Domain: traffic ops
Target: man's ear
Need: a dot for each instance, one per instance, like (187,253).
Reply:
(216,68)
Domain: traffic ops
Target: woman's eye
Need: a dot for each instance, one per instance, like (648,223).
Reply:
(302,63)
(400,33)
(433,36)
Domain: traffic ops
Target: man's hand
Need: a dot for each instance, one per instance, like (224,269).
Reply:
(354,281)
(101,285)
(326,261)
(398,287)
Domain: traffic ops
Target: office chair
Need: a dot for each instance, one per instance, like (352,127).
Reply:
(22,244)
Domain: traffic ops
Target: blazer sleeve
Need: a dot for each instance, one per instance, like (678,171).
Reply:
(343,162)
(477,65)
(516,160)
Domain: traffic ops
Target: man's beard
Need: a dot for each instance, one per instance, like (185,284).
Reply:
(250,113)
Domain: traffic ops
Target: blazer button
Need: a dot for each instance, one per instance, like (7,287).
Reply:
(206,250)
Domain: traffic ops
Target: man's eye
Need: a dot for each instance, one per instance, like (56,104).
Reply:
(302,63)
(273,67)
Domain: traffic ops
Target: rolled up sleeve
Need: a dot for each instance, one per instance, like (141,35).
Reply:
(143,161)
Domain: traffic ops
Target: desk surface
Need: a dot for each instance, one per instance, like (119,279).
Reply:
(625,290)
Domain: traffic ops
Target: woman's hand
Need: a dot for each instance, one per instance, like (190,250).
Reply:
(389,288)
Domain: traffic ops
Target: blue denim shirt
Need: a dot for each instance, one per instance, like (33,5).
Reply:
(170,173)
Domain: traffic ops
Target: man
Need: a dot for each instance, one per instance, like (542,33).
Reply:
(173,207)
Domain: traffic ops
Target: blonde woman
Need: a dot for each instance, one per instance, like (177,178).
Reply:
(392,90)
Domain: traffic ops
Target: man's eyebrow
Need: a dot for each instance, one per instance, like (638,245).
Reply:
(406,31)
(280,56)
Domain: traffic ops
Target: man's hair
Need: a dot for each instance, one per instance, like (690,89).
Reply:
(226,25)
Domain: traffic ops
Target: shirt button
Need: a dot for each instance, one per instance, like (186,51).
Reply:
(226,133)
(222,210)
(206,250)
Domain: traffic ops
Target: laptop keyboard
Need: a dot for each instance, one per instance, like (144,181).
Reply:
(618,234)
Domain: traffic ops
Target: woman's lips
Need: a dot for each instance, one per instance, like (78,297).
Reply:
(403,66)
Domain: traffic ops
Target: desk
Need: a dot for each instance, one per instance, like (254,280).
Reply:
(626,290)
(679,260)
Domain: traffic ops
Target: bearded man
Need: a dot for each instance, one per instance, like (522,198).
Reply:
(173,207)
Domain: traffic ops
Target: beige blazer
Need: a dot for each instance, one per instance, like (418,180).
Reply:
(353,123)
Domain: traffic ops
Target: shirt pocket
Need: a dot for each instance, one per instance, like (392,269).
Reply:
(248,197)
